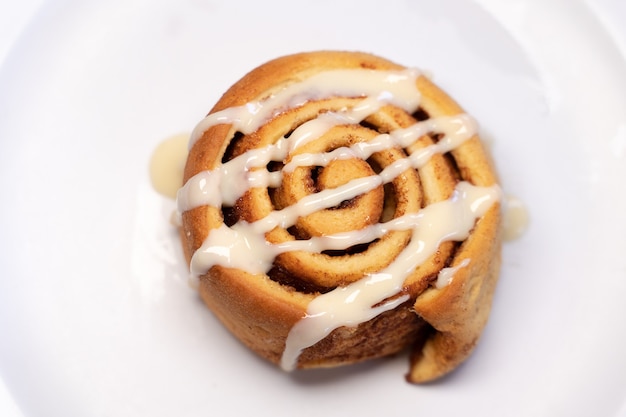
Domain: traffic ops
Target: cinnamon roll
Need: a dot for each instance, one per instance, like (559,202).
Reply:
(338,207)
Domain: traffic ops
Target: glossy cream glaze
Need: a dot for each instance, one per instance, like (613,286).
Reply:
(515,218)
(243,244)
(167,163)
(394,87)
(446,275)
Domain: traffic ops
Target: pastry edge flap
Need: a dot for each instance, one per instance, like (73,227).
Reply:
(459,311)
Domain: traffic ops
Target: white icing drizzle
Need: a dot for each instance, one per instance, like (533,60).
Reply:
(515,218)
(394,87)
(243,245)
(167,163)
(446,275)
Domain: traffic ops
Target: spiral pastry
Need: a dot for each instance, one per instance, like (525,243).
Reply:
(338,207)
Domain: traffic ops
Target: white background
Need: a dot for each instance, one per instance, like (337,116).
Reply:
(15,15)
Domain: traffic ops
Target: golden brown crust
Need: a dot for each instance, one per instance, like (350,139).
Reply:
(261,309)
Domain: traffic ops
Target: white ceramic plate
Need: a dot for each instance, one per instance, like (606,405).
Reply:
(96,315)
